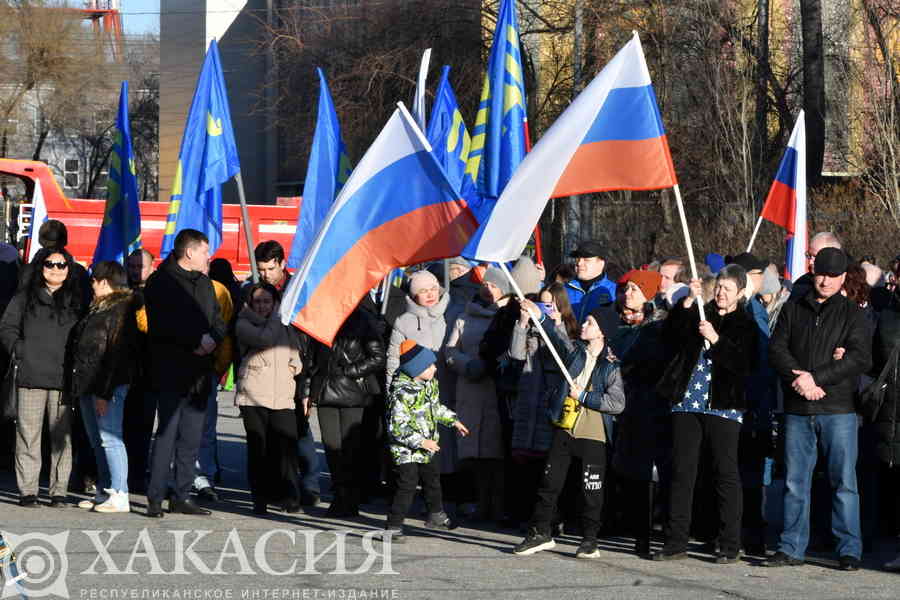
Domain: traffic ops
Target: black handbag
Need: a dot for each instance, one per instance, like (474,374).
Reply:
(872,398)
(9,391)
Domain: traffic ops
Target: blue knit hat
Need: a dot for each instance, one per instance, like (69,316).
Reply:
(414,359)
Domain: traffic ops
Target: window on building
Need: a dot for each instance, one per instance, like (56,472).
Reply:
(70,173)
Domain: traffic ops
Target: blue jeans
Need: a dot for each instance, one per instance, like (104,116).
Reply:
(309,461)
(106,432)
(206,458)
(837,436)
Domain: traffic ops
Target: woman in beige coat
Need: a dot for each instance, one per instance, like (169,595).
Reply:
(265,395)
(476,397)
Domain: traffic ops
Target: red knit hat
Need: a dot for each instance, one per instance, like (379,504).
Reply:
(648,281)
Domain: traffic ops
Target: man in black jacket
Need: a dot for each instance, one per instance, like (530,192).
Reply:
(804,285)
(820,347)
(184,327)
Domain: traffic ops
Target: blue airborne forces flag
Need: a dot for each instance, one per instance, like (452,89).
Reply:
(120,234)
(449,137)
(498,139)
(327,170)
(208,158)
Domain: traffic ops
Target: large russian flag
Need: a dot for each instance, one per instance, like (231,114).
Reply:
(626,146)
(786,203)
(610,138)
(397,208)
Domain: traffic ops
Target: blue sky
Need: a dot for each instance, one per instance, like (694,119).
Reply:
(140,23)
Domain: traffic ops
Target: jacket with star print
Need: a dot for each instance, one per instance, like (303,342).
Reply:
(733,356)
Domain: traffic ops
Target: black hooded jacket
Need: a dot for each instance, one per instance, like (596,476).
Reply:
(347,375)
(805,338)
(887,421)
(733,356)
(181,309)
(38,335)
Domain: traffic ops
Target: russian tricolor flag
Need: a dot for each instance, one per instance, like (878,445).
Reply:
(397,208)
(786,203)
(610,138)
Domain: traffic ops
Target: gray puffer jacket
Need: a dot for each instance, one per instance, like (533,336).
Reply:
(424,325)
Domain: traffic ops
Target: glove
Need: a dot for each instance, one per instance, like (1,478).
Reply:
(475,369)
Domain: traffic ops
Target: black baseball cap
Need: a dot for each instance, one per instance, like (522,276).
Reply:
(588,249)
(749,262)
(830,261)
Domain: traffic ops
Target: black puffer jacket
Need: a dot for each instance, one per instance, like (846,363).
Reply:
(38,336)
(357,356)
(103,348)
(181,308)
(805,338)
(887,421)
(733,356)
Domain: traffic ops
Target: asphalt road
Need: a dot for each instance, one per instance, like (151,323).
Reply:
(233,554)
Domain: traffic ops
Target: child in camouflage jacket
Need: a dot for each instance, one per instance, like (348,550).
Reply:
(414,412)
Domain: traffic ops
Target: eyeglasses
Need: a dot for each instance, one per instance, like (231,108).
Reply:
(49,264)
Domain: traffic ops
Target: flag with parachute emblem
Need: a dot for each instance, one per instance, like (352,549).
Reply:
(208,158)
(326,172)
(498,139)
(120,234)
(449,138)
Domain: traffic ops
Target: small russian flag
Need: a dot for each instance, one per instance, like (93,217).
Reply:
(786,203)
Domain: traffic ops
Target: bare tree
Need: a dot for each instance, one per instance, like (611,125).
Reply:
(813,87)
(49,53)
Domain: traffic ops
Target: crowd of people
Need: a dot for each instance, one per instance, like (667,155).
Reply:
(603,402)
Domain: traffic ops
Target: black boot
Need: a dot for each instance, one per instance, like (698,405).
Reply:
(187,507)
(155,509)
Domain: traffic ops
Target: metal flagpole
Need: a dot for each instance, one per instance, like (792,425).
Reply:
(690,250)
(385,294)
(248,233)
(538,326)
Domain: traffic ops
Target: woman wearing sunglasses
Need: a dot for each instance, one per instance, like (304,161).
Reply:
(35,327)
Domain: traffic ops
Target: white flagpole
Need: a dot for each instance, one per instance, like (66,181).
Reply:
(755,231)
(690,250)
(419,98)
(538,326)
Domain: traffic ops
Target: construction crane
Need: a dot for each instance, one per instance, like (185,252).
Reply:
(106,21)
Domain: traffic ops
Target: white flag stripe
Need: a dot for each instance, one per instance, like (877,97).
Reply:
(523,200)
(419,99)
(38,216)
(398,139)
(800,244)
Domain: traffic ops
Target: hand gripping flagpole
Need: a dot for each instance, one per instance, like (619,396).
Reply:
(690,250)
(248,233)
(538,326)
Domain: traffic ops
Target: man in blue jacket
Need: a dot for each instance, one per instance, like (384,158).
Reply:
(591,287)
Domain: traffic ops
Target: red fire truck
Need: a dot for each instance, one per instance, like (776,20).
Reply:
(83,218)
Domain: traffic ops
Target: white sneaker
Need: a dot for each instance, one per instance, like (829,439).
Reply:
(894,565)
(99,498)
(117,503)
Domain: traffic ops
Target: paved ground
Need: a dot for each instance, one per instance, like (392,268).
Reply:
(236,555)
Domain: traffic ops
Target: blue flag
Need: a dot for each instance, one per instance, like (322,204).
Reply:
(120,234)
(326,172)
(450,142)
(498,140)
(208,158)
(449,137)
